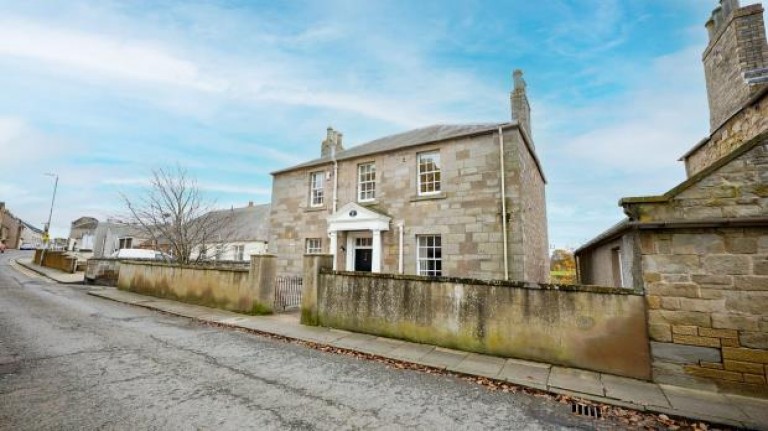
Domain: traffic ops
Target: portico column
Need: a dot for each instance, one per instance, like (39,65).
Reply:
(376,264)
(334,247)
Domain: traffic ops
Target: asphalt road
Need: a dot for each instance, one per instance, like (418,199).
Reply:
(73,361)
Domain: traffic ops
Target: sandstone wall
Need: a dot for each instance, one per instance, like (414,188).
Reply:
(735,132)
(533,210)
(708,307)
(242,290)
(601,329)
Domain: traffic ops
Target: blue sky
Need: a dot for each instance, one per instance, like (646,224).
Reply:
(101,92)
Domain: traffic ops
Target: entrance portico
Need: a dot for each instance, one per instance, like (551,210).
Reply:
(363,227)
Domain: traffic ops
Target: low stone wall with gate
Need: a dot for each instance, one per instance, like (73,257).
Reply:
(596,328)
(250,290)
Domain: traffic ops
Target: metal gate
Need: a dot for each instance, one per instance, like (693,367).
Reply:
(287,292)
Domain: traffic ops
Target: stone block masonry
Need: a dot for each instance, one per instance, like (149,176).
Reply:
(707,298)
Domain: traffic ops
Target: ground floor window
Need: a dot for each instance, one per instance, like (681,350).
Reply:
(430,255)
(239,252)
(314,246)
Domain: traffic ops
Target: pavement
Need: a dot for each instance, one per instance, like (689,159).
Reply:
(718,408)
(52,273)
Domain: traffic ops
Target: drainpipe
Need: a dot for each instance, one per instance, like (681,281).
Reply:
(503,204)
(400,249)
(335,178)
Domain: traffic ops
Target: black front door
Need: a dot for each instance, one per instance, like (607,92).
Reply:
(363,258)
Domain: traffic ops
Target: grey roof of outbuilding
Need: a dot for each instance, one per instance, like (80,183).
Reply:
(424,135)
(607,235)
(249,223)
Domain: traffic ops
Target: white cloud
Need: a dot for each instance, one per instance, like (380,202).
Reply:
(125,59)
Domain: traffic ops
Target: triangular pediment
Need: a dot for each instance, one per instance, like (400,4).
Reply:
(354,216)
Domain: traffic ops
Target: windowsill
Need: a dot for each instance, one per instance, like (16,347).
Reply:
(314,209)
(368,203)
(430,197)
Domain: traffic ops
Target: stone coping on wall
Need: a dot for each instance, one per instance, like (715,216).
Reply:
(500,283)
(151,262)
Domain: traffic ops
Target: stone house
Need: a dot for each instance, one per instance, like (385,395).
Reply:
(424,202)
(699,252)
(11,227)
(31,236)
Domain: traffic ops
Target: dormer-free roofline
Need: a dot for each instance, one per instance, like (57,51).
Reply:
(476,130)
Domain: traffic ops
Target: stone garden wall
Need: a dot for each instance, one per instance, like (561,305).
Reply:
(235,289)
(596,328)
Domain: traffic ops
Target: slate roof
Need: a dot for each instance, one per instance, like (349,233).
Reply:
(424,135)
(249,223)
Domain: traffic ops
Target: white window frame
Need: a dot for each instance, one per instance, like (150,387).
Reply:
(422,176)
(219,252)
(239,251)
(317,189)
(314,246)
(423,258)
(366,182)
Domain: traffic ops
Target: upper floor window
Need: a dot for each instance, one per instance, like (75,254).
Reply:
(429,173)
(314,245)
(429,255)
(366,182)
(316,188)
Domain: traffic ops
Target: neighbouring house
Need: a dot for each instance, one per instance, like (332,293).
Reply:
(11,227)
(244,232)
(425,202)
(111,236)
(31,236)
(81,234)
(699,252)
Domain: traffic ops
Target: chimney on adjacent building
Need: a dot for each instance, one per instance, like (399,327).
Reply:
(736,59)
(521,110)
(332,143)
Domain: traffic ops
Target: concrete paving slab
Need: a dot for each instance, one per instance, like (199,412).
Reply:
(639,392)
(694,402)
(574,380)
(480,365)
(380,346)
(532,374)
(353,341)
(411,351)
(443,358)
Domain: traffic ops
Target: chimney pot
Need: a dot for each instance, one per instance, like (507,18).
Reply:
(250,203)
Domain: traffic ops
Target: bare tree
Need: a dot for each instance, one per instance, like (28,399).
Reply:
(174,214)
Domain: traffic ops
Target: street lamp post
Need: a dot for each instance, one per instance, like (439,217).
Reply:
(46,233)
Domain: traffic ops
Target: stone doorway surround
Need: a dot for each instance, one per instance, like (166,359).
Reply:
(356,218)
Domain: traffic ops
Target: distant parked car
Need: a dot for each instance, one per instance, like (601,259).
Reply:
(140,253)
(27,246)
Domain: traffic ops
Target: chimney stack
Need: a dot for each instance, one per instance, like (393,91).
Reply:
(737,53)
(521,109)
(332,143)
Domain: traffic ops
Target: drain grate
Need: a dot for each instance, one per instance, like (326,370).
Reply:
(585,410)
